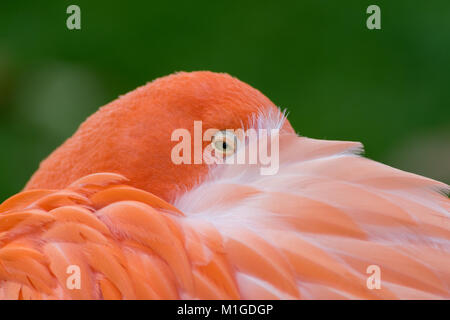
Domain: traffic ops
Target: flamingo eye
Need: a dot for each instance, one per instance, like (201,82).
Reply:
(225,143)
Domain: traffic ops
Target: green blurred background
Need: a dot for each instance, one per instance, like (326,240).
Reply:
(389,88)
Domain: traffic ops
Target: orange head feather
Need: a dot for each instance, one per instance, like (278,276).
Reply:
(132,135)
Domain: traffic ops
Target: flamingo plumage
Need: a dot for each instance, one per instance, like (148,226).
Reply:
(138,226)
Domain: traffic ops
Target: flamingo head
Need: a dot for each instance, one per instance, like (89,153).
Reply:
(133,135)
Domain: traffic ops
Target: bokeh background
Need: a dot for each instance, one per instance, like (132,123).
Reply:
(388,88)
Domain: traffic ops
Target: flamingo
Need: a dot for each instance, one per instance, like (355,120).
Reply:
(112,204)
